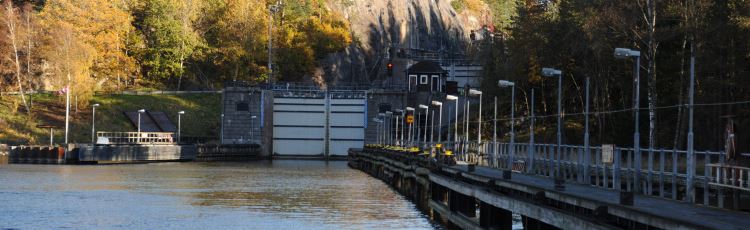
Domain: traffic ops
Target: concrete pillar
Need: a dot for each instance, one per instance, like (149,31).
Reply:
(491,217)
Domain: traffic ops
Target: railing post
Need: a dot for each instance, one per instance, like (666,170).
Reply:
(674,174)
(706,176)
(616,171)
(649,187)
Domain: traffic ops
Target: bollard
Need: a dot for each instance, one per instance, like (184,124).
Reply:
(626,198)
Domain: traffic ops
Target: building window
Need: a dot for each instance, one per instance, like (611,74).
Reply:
(243,106)
(423,79)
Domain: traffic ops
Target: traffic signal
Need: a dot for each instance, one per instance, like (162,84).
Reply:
(389,66)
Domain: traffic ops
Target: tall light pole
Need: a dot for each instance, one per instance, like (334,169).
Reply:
(411,124)
(512,85)
(467,106)
(440,120)
(690,151)
(494,134)
(479,124)
(271,10)
(139,123)
(531,150)
(179,124)
(550,72)
(586,136)
(252,127)
(389,126)
(93,123)
(418,131)
(377,130)
(455,130)
(381,117)
(624,53)
(403,118)
(426,115)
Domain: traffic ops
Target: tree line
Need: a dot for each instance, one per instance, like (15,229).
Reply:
(579,37)
(101,45)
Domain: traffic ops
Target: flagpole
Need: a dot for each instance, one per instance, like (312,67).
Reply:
(67,109)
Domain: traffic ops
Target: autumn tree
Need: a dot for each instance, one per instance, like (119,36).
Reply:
(84,43)
(13,34)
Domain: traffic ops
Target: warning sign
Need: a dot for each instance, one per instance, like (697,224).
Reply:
(410,119)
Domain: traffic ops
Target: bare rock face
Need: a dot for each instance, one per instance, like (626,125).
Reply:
(382,29)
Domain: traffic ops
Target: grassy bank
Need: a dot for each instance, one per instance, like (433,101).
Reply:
(202,116)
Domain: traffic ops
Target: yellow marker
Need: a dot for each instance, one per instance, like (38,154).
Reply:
(439,145)
(448,153)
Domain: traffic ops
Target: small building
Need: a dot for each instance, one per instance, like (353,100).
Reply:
(426,76)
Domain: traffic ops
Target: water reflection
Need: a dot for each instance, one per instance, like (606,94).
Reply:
(258,195)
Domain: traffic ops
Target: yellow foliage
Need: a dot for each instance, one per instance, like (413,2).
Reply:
(83,43)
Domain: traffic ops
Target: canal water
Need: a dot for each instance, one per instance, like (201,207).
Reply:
(251,195)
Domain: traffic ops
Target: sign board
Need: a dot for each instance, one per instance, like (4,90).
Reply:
(608,154)
(410,119)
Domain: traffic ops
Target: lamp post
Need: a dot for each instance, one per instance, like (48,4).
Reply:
(531,150)
(624,53)
(455,130)
(403,121)
(252,127)
(179,124)
(377,130)
(494,133)
(411,124)
(512,85)
(139,123)
(550,72)
(690,151)
(440,120)
(93,123)
(479,124)
(389,124)
(426,114)
(418,130)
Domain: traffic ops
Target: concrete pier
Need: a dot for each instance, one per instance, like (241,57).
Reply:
(484,199)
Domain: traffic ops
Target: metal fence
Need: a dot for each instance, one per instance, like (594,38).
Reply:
(135,138)
(661,172)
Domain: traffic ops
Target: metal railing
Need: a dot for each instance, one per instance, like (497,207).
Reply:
(135,138)
(663,172)
(727,176)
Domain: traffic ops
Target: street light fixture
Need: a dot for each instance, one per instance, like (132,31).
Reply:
(252,127)
(399,120)
(378,121)
(93,123)
(440,120)
(389,126)
(624,53)
(426,112)
(550,72)
(504,83)
(455,130)
(179,125)
(474,92)
(139,123)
